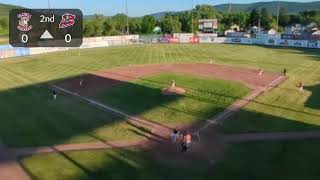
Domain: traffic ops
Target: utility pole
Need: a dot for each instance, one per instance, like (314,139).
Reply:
(127,17)
(192,16)
(49,4)
(278,12)
(229,9)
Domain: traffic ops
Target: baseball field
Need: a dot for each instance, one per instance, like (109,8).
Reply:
(111,121)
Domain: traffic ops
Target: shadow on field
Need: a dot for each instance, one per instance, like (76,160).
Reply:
(32,117)
(260,160)
(246,121)
(314,100)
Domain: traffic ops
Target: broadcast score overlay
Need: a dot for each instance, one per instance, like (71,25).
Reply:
(45,28)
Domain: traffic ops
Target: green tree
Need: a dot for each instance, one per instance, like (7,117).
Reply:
(110,27)
(135,25)
(186,21)
(266,18)
(98,25)
(254,18)
(88,30)
(120,22)
(311,16)
(4,27)
(284,18)
(171,24)
(148,24)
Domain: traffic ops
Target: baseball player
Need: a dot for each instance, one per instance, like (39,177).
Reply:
(174,136)
(54,93)
(301,86)
(188,140)
(260,72)
(284,72)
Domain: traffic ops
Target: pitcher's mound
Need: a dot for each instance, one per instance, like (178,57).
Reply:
(173,91)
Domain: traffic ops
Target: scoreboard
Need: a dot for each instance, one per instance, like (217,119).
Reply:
(45,28)
(208,25)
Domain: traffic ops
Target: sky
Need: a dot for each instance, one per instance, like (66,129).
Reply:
(135,7)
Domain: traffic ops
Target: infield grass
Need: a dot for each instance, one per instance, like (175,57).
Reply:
(204,97)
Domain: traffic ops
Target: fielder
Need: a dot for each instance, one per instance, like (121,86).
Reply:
(54,93)
(284,72)
(260,72)
(301,86)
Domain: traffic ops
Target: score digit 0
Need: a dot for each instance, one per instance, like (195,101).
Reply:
(67,38)
(24,38)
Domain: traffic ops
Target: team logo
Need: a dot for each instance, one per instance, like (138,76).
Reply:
(24,19)
(67,20)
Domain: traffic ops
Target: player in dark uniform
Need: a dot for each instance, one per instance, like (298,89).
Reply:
(285,72)
(54,93)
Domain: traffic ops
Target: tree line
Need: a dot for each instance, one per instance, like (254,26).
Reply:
(100,25)
(183,21)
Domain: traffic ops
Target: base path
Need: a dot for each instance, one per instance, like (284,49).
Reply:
(94,82)
(10,168)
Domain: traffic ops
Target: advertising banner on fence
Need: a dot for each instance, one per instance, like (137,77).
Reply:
(313,44)
(283,42)
(22,51)
(173,40)
(194,39)
(271,41)
(220,40)
(7,53)
(237,40)
(297,43)
(206,39)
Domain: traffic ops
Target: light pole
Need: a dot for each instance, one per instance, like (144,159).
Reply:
(278,12)
(192,16)
(127,17)
(49,4)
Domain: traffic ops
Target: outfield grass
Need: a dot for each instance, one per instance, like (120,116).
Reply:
(264,161)
(4,40)
(282,109)
(203,99)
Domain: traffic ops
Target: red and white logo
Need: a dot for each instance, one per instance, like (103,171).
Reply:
(67,20)
(24,19)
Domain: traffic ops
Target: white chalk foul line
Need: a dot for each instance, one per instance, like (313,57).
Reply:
(234,107)
(96,103)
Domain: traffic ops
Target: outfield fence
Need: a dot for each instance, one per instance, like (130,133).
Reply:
(7,51)
(266,42)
